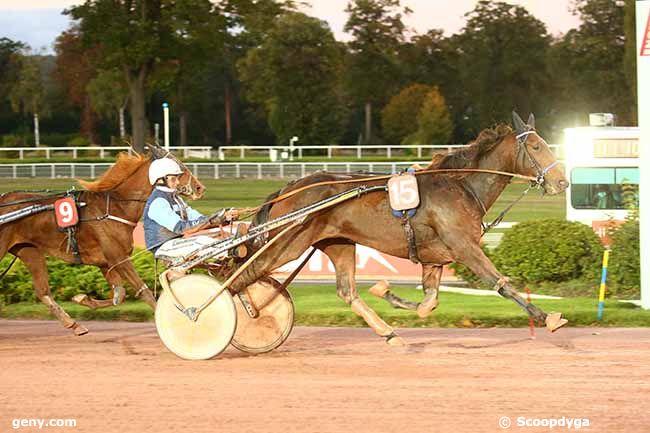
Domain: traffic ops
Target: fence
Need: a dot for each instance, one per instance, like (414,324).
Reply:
(207,170)
(271,152)
(36,152)
(388,151)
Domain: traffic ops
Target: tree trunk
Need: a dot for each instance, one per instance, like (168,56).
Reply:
(228,108)
(138,114)
(37,134)
(183,128)
(368,122)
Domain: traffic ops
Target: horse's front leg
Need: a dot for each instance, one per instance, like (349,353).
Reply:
(344,260)
(128,272)
(474,258)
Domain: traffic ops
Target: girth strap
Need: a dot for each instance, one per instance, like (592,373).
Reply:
(73,245)
(410,238)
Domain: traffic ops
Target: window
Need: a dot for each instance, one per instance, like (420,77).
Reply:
(604,188)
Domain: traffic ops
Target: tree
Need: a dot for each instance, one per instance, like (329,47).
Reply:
(296,76)
(74,70)
(501,63)
(109,95)
(9,52)
(399,118)
(28,93)
(591,60)
(130,33)
(377,31)
(434,122)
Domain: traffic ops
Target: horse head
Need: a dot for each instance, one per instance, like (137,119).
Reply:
(190,185)
(534,157)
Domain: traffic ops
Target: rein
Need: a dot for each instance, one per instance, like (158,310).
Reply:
(108,216)
(388,176)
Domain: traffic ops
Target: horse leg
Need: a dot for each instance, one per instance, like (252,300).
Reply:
(117,293)
(128,272)
(35,262)
(474,258)
(431,275)
(344,260)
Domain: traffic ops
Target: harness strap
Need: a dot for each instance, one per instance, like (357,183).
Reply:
(410,238)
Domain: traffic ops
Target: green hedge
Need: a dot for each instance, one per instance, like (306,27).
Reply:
(624,278)
(66,280)
(547,255)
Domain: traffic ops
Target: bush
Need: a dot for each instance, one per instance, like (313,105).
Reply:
(624,279)
(78,141)
(66,280)
(549,250)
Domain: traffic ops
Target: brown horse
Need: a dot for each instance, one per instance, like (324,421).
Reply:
(447,226)
(114,204)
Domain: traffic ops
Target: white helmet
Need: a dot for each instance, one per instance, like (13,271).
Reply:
(163,167)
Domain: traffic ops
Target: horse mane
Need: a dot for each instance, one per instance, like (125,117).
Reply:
(468,157)
(125,166)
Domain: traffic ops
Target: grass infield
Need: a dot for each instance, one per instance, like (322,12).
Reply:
(318,305)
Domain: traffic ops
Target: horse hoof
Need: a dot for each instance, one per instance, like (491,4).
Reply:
(396,341)
(80,299)
(380,289)
(424,310)
(554,321)
(79,330)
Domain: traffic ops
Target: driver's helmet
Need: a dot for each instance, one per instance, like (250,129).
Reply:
(163,167)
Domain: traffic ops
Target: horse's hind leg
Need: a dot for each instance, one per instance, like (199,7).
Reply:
(474,258)
(117,292)
(431,275)
(35,262)
(344,260)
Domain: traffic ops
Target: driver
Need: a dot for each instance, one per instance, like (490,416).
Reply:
(166,215)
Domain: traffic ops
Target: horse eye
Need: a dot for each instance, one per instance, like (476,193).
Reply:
(536,147)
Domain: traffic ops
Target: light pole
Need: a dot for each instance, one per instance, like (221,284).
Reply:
(166,124)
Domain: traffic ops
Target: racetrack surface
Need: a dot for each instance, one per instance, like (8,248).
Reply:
(120,378)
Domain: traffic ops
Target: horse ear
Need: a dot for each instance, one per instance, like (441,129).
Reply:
(531,120)
(156,151)
(519,124)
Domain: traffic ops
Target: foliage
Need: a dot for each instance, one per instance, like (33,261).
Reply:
(75,68)
(295,76)
(590,62)
(65,280)
(501,65)
(372,70)
(28,92)
(624,274)
(434,122)
(399,117)
(549,250)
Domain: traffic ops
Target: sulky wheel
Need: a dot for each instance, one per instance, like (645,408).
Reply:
(214,328)
(274,319)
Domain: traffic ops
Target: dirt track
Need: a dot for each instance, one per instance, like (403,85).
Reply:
(120,378)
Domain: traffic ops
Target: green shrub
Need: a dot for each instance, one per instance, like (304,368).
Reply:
(66,280)
(549,250)
(624,278)
(78,141)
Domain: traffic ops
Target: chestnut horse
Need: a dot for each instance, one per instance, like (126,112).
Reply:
(114,204)
(447,226)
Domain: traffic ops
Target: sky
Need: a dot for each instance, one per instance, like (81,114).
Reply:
(39,22)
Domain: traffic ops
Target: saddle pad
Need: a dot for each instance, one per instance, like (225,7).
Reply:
(403,192)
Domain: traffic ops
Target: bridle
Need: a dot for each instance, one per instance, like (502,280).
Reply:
(185,189)
(541,171)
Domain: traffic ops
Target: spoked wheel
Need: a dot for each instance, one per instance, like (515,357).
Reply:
(214,328)
(274,323)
